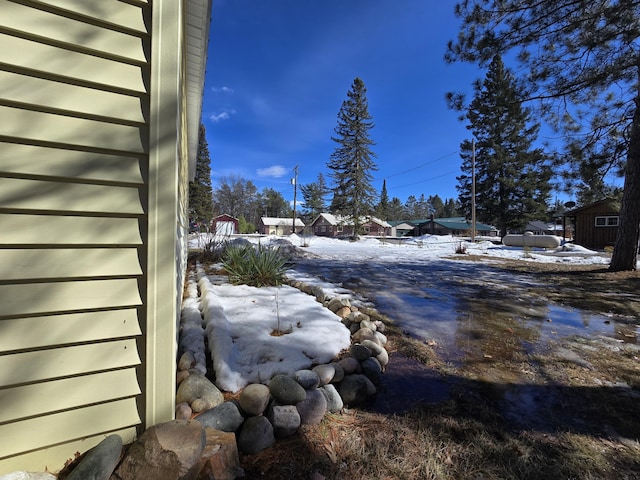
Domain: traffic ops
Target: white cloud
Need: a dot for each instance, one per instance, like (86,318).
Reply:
(276,171)
(218,117)
(227,90)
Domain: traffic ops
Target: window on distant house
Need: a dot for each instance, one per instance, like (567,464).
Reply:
(339,228)
(323,228)
(607,221)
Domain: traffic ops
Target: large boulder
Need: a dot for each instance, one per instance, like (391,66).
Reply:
(170,451)
(354,389)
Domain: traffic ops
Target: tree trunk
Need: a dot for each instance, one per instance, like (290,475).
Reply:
(625,253)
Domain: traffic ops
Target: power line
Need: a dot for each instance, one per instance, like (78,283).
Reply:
(426,180)
(423,165)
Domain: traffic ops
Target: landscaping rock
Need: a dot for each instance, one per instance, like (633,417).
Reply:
(286,390)
(312,408)
(225,417)
(343,312)
(285,419)
(334,401)
(368,324)
(198,387)
(360,352)
(338,373)
(383,358)
(183,411)
(337,303)
(256,435)
(381,338)
(349,365)
(364,334)
(254,399)
(99,462)
(373,346)
(308,379)
(325,373)
(372,370)
(354,389)
(186,361)
(170,451)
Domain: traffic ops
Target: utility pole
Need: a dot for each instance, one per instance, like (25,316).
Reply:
(294,180)
(473,189)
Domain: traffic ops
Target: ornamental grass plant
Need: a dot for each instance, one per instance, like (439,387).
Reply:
(255,266)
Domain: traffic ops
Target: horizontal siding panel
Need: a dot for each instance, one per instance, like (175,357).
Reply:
(57,61)
(113,12)
(26,367)
(41,264)
(17,159)
(60,230)
(69,98)
(47,298)
(27,401)
(47,331)
(75,424)
(29,126)
(68,197)
(64,29)
(52,458)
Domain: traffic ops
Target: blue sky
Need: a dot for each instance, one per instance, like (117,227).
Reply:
(279,70)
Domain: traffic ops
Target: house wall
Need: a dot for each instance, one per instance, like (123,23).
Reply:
(94,165)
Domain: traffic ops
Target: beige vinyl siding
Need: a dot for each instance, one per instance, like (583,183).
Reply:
(73,214)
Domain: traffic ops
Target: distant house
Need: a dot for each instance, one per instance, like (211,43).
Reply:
(329,225)
(279,226)
(596,225)
(452,226)
(225,225)
(538,227)
(400,228)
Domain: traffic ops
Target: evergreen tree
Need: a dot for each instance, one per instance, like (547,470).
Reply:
(411,208)
(382,210)
(352,161)
(436,206)
(580,59)
(200,191)
(313,198)
(396,210)
(512,177)
(450,209)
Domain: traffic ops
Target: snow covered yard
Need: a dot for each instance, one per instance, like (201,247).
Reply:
(254,333)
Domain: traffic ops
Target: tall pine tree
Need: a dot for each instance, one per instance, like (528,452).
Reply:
(352,161)
(200,191)
(512,177)
(382,209)
(581,59)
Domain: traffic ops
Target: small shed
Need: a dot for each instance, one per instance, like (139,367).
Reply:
(400,228)
(225,225)
(596,224)
(279,226)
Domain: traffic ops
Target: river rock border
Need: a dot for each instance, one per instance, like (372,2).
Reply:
(261,413)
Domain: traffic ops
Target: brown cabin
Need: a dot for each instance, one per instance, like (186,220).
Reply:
(596,225)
